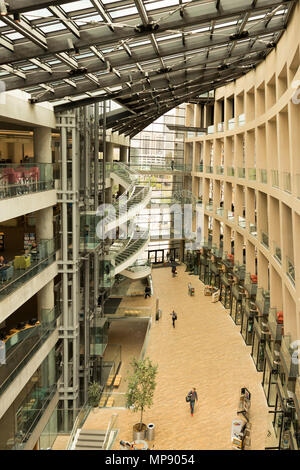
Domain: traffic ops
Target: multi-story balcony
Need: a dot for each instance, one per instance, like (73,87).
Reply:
(39,267)
(31,184)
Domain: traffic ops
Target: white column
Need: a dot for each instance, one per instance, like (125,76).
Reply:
(124,154)
(42,145)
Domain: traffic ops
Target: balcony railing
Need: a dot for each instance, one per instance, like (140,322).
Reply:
(265,239)
(263,176)
(209,169)
(242,120)
(220,211)
(287,185)
(252,174)
(231,124)
(22,346)
(290,270)
(26,178)
(211,129)
(275,178)
(230,215)
(199,168)
(241,172)
(209,207)
(242,222)
(253,229)
(277,252)
(221,127)
(297,182)
(26,267)
(220,170)
(230,171)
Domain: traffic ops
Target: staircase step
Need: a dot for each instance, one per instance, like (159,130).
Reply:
(92,431)
(90,437)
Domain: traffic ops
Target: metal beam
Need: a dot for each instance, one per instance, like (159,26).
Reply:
(102,36)
(121,58)
(22,6)
(63,17)
(24,28)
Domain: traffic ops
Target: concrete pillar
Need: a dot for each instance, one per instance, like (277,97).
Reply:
(124,154)
(44,217)
(109,152)
(42,145)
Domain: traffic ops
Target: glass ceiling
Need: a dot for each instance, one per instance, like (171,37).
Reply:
(148,56)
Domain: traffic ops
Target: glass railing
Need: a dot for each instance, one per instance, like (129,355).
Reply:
(262,300)
(231,124)
(220,127)
(209,207)
(265,239)
(239,271)
(287,185)
(220,211)
(242,120)
(287,356)
(26,343)
(252,174)
(79,422)
(242,222)
(263,176)
(241,172)
(230,215)
(274,327)
(277,252)
(253,229)
(297,183)
(138,240)
(25,178)
(211,129)
(209,169)
(230,171)
(275,178)
(220,170)
(249,285)
(30,412)
(199,168)
(24,268)
(290,270)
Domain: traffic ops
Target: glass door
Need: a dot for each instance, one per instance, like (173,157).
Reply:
(156,256)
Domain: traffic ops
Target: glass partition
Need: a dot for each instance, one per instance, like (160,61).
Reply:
(21,345)
(252,174)
(26,267)
(277,252)
(242,120)
(25,178)
(275,178)
(219,170)
(209,169)
(230,171)
(262,301)
(290,270)
(287,185)
(265,239)
(241,172)
(263,176)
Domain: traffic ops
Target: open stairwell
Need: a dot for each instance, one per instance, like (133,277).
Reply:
(90,440)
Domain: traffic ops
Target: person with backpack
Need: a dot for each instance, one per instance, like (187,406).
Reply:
(191,398)
(174,318)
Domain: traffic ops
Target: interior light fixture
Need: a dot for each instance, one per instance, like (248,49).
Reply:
(3,8)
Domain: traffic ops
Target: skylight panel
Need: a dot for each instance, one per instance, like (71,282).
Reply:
(161,4)
(37,14)
(88,19)
(14,36)
(119,13)
(52,27)
(165,38)
(79,5)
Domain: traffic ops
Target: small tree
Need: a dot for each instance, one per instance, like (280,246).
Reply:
(141,386)
(94,394)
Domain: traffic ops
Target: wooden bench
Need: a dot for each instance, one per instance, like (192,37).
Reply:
(109,380)
(117,380)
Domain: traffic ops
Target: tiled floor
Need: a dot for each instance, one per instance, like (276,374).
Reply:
(205,351)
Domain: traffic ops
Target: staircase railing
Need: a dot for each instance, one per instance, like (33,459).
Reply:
(109,431)
(79,421)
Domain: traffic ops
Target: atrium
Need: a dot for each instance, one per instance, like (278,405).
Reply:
(149,217)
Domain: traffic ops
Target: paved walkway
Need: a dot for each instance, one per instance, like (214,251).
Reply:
(205,351)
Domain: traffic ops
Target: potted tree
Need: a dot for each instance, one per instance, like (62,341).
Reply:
(139,395)
(94,394)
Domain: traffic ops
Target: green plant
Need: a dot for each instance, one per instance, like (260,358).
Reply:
(141,386)
(94,394)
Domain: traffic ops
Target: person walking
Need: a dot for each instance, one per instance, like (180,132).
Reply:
(172,164)
(174,318)
(192,398)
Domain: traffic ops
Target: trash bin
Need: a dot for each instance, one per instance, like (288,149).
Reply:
(150,433)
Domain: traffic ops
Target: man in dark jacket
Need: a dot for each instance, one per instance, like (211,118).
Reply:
(193,397)
(174,318)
